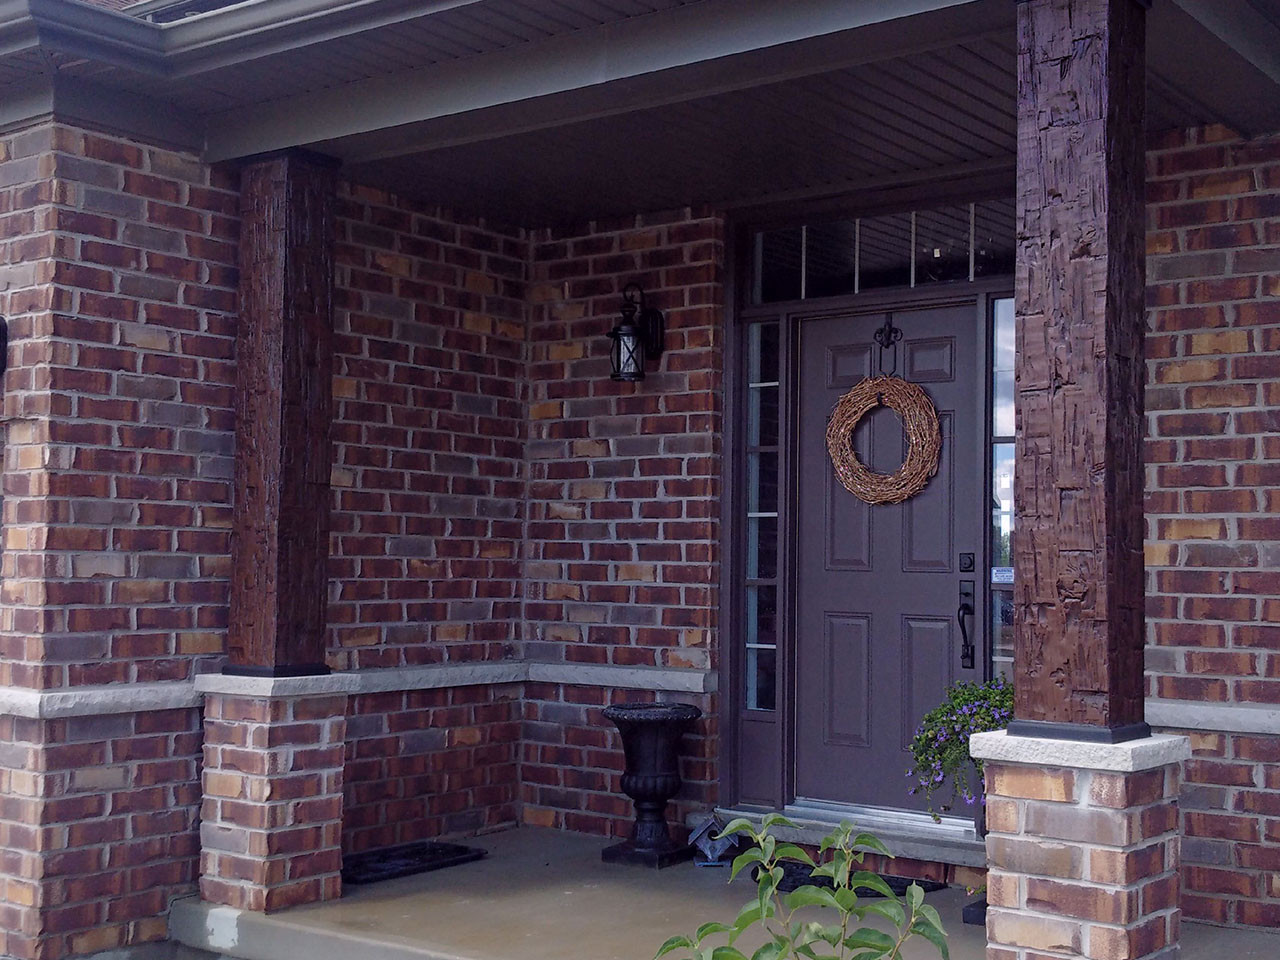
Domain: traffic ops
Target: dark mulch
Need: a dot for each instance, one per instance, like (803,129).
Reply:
(796,875)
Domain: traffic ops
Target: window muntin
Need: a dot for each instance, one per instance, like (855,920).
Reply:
(762,475)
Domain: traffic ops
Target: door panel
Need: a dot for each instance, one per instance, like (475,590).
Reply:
(848,665)
(877,588)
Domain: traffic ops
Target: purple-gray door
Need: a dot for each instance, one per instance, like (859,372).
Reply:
(879,587)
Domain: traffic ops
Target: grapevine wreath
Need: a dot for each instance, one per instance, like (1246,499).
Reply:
(919,422)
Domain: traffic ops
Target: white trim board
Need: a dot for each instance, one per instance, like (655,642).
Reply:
(141,697)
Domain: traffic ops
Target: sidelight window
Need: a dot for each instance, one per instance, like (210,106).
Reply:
(762,448)
(1002,463)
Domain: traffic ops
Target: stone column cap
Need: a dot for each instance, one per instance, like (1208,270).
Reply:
(1149,753)
(272,687)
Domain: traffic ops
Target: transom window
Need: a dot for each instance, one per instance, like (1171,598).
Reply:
(958,243)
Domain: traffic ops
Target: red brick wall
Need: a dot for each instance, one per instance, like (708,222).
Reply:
(119,413)
(624,488)
(119,279)
(98,829)
(428,763)
(1213,565)
(428,477)
(572,760)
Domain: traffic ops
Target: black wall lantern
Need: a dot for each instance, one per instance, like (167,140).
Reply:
(638,337)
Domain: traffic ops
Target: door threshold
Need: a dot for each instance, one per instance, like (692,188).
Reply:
(907,833)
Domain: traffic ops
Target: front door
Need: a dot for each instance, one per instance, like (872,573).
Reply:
(879,587)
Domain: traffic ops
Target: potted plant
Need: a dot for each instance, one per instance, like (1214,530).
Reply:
(944,771)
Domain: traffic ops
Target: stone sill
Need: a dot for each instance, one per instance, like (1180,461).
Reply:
(1134,756)
(142,697)
(909,835)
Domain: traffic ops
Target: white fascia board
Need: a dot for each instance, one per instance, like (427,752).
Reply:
(261,28)
(97,33)
(682,37)
(18,32)
(192,45)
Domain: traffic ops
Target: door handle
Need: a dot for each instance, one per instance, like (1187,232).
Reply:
(968,651)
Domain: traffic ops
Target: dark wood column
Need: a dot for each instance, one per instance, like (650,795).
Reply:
(1080,323)
(284,367)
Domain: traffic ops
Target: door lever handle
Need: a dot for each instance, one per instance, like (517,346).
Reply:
(968,652)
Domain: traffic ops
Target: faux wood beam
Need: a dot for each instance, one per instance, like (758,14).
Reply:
(284,365)
(1080,324)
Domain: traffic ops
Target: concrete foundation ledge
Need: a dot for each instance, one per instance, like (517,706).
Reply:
(207,930)
(230,685)
(1134,756)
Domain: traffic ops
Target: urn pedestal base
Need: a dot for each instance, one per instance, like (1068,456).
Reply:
(657,858)
(651,735)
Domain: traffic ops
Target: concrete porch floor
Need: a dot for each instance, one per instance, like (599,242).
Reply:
(545,895)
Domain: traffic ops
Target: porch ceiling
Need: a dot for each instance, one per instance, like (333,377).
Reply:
(905,102)
(945,109)
(939,110)
(540,111)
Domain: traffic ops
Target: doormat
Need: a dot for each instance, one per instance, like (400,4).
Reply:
(406,860)
(796,875)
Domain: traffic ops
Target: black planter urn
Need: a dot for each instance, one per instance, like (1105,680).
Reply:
(651,735)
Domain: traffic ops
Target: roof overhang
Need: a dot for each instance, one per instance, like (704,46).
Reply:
(1209,61)
(219,38)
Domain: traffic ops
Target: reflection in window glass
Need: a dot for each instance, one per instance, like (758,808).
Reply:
(884,252)
(762,416)
(761,601)
(779,265)
(942,245)
(1002,365)
(1002,467)
(949,244)
(831,268)
(994,230)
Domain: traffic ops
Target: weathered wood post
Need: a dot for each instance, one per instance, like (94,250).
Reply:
(1082,800)
(284,373)
(275,722)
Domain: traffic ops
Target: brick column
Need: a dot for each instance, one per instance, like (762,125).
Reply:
(271,829)
(1082,846)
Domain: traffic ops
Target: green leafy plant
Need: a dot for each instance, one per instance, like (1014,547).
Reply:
(840,935)
(941,744)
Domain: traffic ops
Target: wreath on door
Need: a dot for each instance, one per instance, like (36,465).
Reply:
(919,423)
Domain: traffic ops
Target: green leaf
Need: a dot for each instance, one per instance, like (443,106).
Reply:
(740,825)
(930,916)
(707,929)
(776,820)
(747,917)
(824,870)
(675,943)
(810,896)
(891,910)
(865,879)
(868,939)
(915,896)
(754,855)
(789,851)
(770,951)
(727,953)
(934,936)
(871,843)
(847,898)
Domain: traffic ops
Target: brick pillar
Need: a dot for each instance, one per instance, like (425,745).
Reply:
(271,829)
(1082,846)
